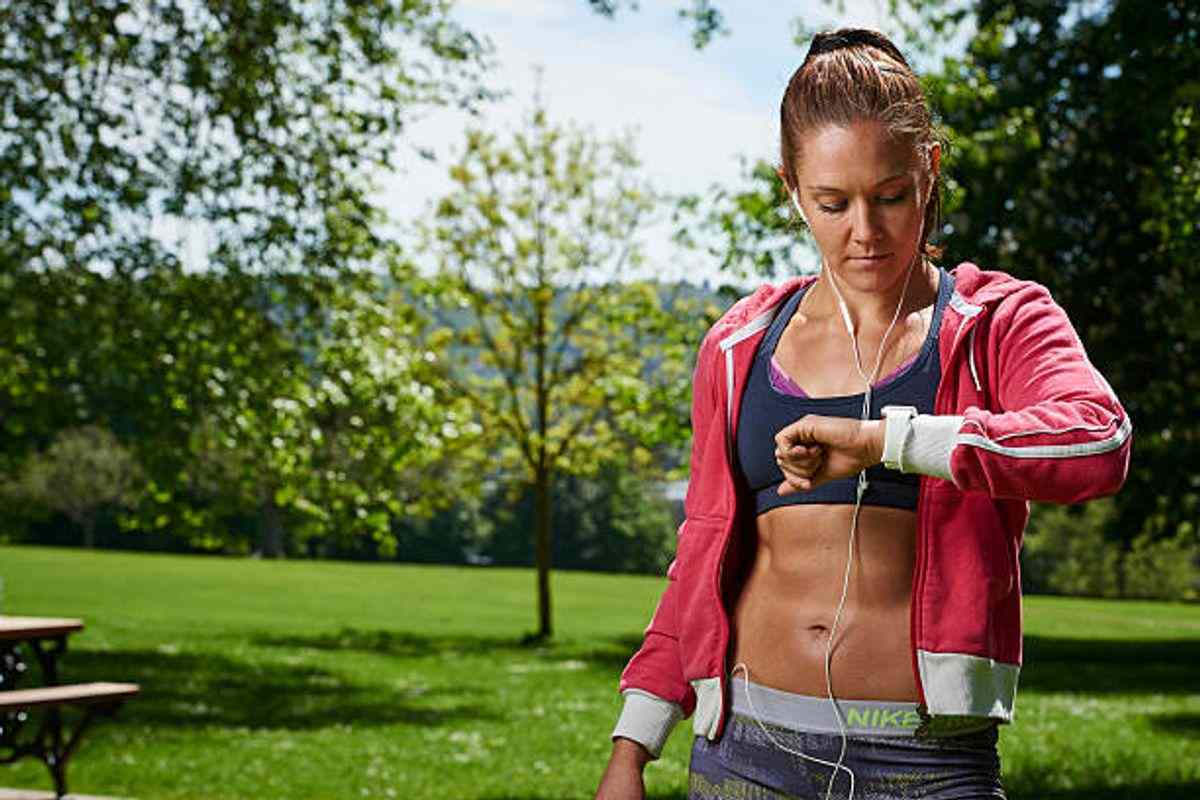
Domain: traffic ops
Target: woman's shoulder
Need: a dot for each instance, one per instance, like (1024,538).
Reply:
(979,287)
(751,307)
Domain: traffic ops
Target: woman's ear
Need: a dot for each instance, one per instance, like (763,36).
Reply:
(935,160)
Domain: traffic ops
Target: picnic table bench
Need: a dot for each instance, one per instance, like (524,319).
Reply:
(51,744)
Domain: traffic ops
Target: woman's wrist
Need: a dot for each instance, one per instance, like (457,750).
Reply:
(873,431)
(630,751)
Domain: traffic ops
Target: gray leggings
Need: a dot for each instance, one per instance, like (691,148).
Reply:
(744,764)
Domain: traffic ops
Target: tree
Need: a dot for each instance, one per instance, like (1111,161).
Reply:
(533,248)
(614,520)
(262,120)
(1078,158)
(706,19)
(351,440)
(251,128)
(83,471)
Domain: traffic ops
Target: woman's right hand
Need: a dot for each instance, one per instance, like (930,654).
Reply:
(622,779)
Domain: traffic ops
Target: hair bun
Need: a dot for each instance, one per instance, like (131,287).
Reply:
(848,38)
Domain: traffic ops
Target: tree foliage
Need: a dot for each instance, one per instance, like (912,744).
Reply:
(82,472)
(1076,164)
(338,444)
(706,19)
(259,120)
(186,195)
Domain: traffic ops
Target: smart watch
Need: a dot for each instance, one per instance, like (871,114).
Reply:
(897,424)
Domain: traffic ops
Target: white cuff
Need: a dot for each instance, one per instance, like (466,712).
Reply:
(647,719)
(928,445)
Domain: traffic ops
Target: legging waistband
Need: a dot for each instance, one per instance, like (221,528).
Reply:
(800,712)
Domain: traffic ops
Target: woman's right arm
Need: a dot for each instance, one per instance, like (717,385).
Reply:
(622,779)
(656,695)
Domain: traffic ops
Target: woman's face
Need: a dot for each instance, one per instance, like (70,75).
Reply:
(864,196)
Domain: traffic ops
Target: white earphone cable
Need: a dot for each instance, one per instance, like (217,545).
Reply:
(861,489)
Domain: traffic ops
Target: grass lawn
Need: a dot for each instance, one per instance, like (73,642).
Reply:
(308,679)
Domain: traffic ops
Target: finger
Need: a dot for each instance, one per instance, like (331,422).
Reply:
(802,457)
(798,452)
(794,486)
(798,432)
(802,472)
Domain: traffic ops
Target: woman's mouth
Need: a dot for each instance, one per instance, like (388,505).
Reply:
(871,258)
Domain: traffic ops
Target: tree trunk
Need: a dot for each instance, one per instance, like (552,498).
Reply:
(271,527)
(543,552)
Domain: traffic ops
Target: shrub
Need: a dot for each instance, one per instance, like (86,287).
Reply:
(1162,569)
(1066,551)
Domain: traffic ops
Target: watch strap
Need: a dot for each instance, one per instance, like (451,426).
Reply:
(896,427)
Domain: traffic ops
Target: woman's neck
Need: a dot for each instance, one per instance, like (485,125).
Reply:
(873,309)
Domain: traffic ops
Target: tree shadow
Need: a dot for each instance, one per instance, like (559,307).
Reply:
(400,644)
(1102,666)
(653,796)
(1140,791)
(209,689)
(1178,725)
(608,658)
(612,656)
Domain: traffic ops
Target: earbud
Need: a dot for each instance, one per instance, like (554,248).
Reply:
(795,195)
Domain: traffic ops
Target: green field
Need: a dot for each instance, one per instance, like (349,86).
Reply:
(310,679)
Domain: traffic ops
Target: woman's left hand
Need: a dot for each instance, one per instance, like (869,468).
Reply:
(815,449)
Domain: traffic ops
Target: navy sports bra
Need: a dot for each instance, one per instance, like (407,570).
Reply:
(765,410)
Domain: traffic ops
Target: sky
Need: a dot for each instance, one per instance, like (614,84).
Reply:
(693,112)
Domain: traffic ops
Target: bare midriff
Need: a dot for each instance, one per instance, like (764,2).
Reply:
(785,611)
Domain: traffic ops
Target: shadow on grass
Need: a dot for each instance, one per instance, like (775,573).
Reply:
(671,796)
(1156,791)
(1141,791)
(1101,666)
(190,689)
(607,658)
(1178,725)
(401,644)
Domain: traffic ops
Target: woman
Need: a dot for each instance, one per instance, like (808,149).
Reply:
(843,613)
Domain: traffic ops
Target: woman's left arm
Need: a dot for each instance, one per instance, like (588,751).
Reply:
(1059,433)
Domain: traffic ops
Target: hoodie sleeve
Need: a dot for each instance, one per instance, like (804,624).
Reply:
(1055,432)
(656,694)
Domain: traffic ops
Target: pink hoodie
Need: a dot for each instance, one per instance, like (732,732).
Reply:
(1020,414)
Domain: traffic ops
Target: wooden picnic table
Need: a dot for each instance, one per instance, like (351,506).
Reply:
(47,638)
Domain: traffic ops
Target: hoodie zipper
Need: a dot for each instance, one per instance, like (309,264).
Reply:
(754,326)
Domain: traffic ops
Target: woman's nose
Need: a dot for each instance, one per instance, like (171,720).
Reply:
(866,227)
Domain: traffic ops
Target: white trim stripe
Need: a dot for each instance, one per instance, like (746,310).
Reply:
(752,327)
(971,360)
(647,719)
(960,304)
(1051,431)
(1051,450)
(749,329)
(707,714)
(958,684)
(729,403)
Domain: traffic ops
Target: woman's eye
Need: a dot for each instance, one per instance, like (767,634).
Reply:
(831,209)
(895,198)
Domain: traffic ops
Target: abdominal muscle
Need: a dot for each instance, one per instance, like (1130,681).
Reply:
(785,610)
